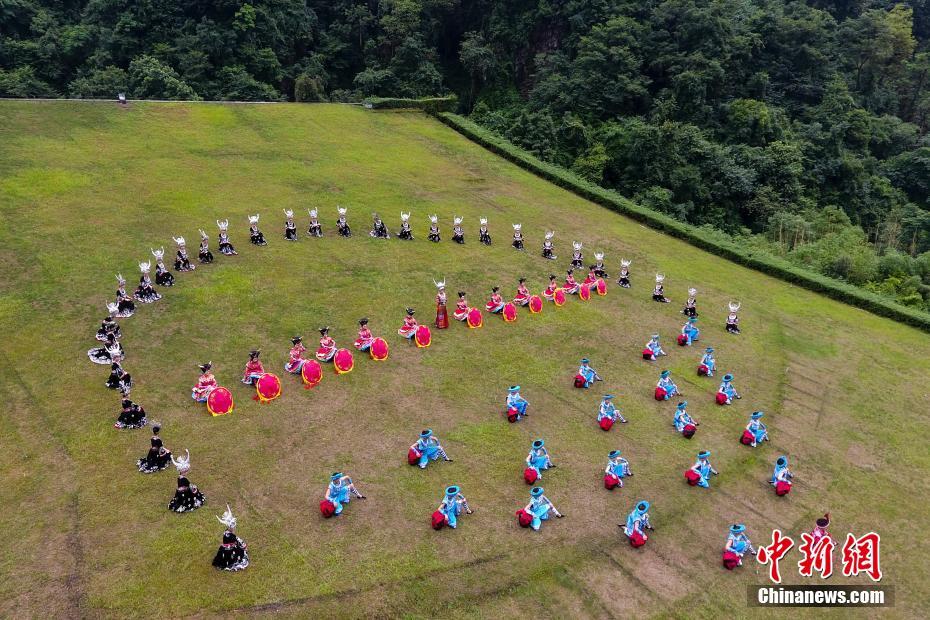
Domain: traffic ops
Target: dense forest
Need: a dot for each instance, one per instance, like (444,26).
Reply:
(798,128)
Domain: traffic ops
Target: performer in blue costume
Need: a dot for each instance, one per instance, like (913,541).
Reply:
(340,490)
(708,364)
(781,471)
(617,466)
(666,383)
(738,542)
(704,469)
(690,331)
(517,402)
(590,375)
(429,448)
(638,521)
(727,389)
(682,418)
(609,411)
(538,458)
(654,348)
(539,508)
(452,505)
(757,428)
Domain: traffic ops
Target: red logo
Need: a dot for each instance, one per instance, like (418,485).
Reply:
(860,555)
(818,555)
(772,554)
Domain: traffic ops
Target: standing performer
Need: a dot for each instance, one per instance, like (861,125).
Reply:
(461,308)
(339,489)
(205,384)
(708,364)
(315,229)
(132,415)
(600,270)
(703,469)
(726,393)
(522,297)
(458,234)
(538,458)
(588,374)
(187,497)
(158,456)
(577,256)
(182,261)
(608,411)
(433,234)
(496,303)
(409,328)
(549,293)
(690,308)
(378,229)
(342,224)
(327,348)
(364,340)
(658,293)
(637,523)
(516,402)
(125,306)
(571,286)
(683,420)
(617,468)
(518,236)
(429,448)
(483,235)
(226,248)
(253,368)
(405,232)
(733,318)
(781,471)
(452,505)
(547,250)
(204,254)
(163,277)
(442,316)
(232,554)
(296,360)
(539,508)
(290,227)
(624,279)
(666,388)
(255,235)
(757,429)
(145,292)
(738,543)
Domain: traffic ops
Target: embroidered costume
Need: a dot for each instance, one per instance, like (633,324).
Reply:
(205,384)
(516,404)
(119,379)
(496,303)
(737,544)
(781,473)
(327,348)
(461,308)
(452,505)
(587,374)
(163,277)
(378,229)
(131,415)
(253,368)
(518,236)
(726,393)
(600,270)
(340,490)
(409,328)
(733,318)
(683,422)
(577,256)
(571,286)
(428,448)
(703,469)
(433,234)
(539,508)
(617,469)
(182,261)
(547,248)
(314,229)
(637,523)
(549,293)
(624,279)
(538,458)
(608,411)
(125,306)
(364,340)
(522,297)
(226,248)
(187,497)
(145,292)
(342,224)
(458,234)
(590,280)
(290,227)
(109,326)
(483,235)
(405,232)
(708,364)
(689,332)
(204,254)
(158,456)
(233,553)
(255,235)
(442,315)
(666,388)
(690,308)
(756,430)
(658,293)
(105,354)
(295,361)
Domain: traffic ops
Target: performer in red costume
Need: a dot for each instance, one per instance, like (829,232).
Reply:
(496,304)
(409,329)
(461,308)
(442,316)
(327,346)
(205,385)
(523,293)
(549,293)
(591,280)
(364,340)
(253,368)
(571,286)
(296,359)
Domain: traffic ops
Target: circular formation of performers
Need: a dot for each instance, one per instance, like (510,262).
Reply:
(232,554)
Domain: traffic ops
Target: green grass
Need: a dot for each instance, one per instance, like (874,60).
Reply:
(85,191)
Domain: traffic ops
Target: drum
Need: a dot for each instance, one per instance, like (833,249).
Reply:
(559,298)
(584,293)
(343,361)
(536,304)
(509,313)
(378,349)
(220,402)
(474,318)
(423,337)
(601,287)
(311,373)
(268,388)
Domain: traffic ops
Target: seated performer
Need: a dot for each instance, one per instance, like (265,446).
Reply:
(609,411)
(727,390)
(733,318)
(538,458)
(624,279)
(315,229)
(690,331)
(690,308)
(365,338)
(104,354)
(327,348)
(590,280)
(637,523)
(518,236)
(296,361)
(738,542)
(600,270)
(109,326)
(617,468)
(666,383)
(461,308)
(429,448)
(547,248)
(821,529)
(483,235)
(549,293)
(442,314)
(577,256)
(757,429)
(226,248)
(539,508)
(433,234)
(182,261)
(516,402)
(658,293)
(340,490)
(233,553)
(205,384)
(409,328)
(522,297)
(163,277)
(378,229)
(571,287)
(132,415)
(255,235)
(253,368)
(145,292)
(125,306)
(458,234)
(405,232)
(187,497)
(703,469)
(158,456)
(342,224)
(682,418)
(496,303)
(708,364)
(587,373)
(290,227)
(452,505)
(204,254)
(781,471)
(119,379)
(653,348)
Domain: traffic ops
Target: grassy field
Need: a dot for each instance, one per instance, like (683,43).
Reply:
(87,189)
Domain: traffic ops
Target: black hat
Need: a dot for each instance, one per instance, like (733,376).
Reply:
(552,276)
(363,321)
(461,293)
(522,280)
(570,271)
(324,330)
(494,289)
(296,339)
(206,367)
(410,311)
(254,353)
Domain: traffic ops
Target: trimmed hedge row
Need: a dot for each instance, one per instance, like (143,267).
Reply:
(430,105)
(773,266)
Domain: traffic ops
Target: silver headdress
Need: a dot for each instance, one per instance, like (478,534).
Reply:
(433,218)
(517,227)
(228,519)
(253,219)
(483,221)
(145,267)
(404,216)
(222,224)
(692,292)
(576,245)
(734,306)
(159,254)
(288,213)
(440,285)
(112,308)
(179,240)
(182,463)
(550,234)
(660,278)
(456,220)
(312,213)
(342,210)
(120,278)
(114,351)
(625,263)
(599,256)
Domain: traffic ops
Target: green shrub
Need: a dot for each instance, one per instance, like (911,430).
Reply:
(430,105)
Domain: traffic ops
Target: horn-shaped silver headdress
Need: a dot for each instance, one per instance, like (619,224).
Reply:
(253,219)
(223,225)
(456,220)
(228,519)
(159,254)
(288,213)
(342,210)
(734,306)
(182,463)
(550,234)
(576,245)
(120,278)
(440,284)
(599,256)
(179,240)
(145,267)
(404,216)
(203,235)
(312,213)
(692,292)
(660,278)
(483,221)
(625,263)
(434,218)
(517,226)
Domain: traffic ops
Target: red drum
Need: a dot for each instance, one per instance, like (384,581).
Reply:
(782,488)
(220,402)
(413,456)
(474,318)
(579,381)
(703,370)
(378,349)
(637,539)
(268,387)
(692,477)
(311,373)
(343,361)
(327,508)
(682,340)
(601,287)
(559,298)
(647,354)
(606,424)
(423,337)
(509,313)
(688,431)
(524,518)
(730,560)
(611,482)
(660,393)
(721,398)
(584,293)
(530,475)
(512,415)
(746,438)
(536,304)
(438,520)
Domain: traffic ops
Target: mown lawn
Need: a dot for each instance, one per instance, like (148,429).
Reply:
(87,189)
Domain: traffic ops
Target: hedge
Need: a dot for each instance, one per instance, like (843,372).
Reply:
(430,105)
(772,266)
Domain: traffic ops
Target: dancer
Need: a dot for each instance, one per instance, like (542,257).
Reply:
(182,261)
(233,553)
(340,490)
(132,415)
(364,340)
(125,306)
(821,529)
(405,232)
(226,248)
(518,237)
(781,473)
(522,298)
(624,279)
(617,469)
(253,368)
(496,303)
(653,349)
(549,293)
(409,328)
(516,404)
(600,270)
(590,280)
(483,235)
(342,224)
(690,308)
(702,470)
(683,422)
(163,277)
(378,229)
(587,374)
(187,497)
(315,229)
(290,227)
(428,448)
(255,235)
(726,393)
(608,411)
(538,459)
(708,364)
(104,354)
(461,308)
(658,293)
(458,234)
(547,249)
(756,431)
(666,388)
(539,508)
(205,384)
(733,318)
(433,234)
(452,505)
(327,348)
(119,379)
(577,256)
(109,326)
(689,332)
(442,315)
(296,360)
(145,292)
(637,523)
(571,286)
(158,456)
(204,254)
(737,544)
